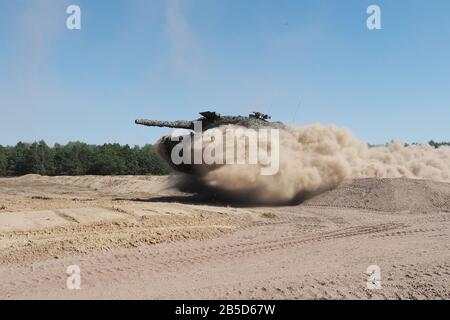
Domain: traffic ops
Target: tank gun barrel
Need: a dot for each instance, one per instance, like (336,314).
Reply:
(180,124)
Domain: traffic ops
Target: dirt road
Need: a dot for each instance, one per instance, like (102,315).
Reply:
(303,251)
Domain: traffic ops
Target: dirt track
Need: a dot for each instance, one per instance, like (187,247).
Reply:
(131,240)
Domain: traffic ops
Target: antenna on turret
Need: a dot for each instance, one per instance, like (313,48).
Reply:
(259,115)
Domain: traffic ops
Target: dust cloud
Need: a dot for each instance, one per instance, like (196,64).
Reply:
(316,158)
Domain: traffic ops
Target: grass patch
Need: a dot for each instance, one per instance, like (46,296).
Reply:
(269,215)
(40,198)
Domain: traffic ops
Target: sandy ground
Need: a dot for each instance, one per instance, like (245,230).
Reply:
(135,237)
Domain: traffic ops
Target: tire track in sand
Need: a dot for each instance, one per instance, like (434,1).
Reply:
(108,268)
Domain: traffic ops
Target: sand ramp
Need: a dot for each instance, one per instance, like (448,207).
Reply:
(391,195)
(47,219)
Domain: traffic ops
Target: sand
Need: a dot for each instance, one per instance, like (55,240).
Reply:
(391,195)
(136,237)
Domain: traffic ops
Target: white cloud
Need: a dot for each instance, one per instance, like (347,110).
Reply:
(38,26)
(185,55)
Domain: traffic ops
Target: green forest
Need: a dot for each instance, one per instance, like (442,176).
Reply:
(77,158)
(438,144)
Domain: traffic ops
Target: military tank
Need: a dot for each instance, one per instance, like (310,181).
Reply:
(208,120)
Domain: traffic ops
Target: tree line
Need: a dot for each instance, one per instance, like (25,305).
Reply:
(77,158)
(438,144)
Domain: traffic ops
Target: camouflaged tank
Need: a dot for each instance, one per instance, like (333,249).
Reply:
(209,119)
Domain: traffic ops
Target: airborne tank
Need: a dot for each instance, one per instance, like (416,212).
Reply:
(208,120)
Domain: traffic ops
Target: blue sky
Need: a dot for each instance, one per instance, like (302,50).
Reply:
(301,61)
